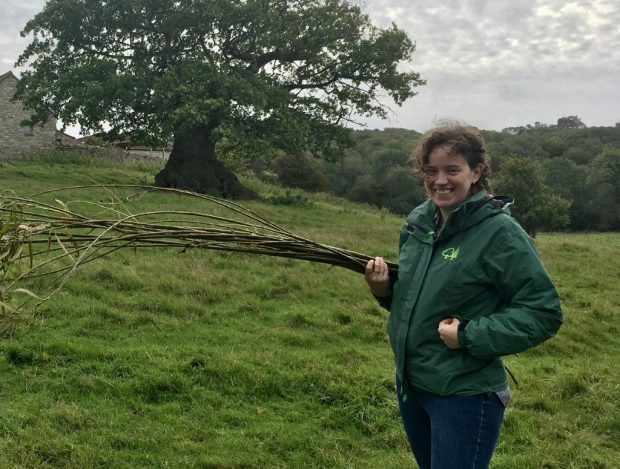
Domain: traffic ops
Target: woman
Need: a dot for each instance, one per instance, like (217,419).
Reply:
(471,288)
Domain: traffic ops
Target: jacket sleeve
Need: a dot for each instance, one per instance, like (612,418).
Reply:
(531,310)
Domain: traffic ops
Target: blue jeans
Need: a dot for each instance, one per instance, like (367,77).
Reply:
(451,432)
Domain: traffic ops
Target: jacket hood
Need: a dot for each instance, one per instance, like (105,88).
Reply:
(478,207)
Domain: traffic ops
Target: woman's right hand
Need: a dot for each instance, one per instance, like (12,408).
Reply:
(378,277)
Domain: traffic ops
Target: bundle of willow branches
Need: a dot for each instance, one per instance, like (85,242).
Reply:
(42,236)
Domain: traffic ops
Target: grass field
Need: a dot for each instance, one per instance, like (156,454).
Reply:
(217,360)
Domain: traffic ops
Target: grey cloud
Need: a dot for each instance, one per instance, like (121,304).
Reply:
(15,15)
(498,64)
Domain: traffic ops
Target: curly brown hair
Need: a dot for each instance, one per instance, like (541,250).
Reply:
(462,139)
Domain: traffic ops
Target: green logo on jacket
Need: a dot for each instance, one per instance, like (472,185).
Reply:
(451,253)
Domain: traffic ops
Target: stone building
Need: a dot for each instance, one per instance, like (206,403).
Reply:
(16,139)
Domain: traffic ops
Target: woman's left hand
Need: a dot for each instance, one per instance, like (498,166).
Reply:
(449,332)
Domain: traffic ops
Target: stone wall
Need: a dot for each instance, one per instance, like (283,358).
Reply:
(117,154)
(150,154)
(15,140)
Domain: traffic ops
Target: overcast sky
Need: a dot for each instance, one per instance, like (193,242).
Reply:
(492,64)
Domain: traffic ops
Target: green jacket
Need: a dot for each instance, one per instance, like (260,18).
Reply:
(483,269)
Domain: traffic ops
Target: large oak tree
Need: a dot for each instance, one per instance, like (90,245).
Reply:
(283,74)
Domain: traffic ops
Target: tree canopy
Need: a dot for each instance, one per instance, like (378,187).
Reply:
(276,73)
(537,206)
(570,122)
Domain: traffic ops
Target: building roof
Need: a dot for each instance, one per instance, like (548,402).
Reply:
(6,75)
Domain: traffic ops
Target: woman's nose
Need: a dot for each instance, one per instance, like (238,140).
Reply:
(441,178)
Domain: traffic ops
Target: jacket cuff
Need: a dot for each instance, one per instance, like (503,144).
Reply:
(384,301)
(461,334)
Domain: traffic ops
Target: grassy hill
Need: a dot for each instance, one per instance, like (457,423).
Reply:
(204,359)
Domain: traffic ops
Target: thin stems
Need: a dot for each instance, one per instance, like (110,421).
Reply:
(32,230)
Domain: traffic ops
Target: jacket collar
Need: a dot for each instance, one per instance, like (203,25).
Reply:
(478,207)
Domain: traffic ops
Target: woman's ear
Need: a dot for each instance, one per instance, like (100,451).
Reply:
(478,172)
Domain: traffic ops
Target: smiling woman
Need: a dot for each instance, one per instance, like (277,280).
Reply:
(471,289)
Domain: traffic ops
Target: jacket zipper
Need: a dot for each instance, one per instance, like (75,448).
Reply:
(431,236)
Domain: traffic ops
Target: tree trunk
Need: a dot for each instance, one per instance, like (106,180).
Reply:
(193,165)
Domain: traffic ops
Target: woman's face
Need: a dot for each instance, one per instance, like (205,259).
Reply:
(448,179)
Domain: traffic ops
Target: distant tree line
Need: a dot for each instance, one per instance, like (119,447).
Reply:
(564,176)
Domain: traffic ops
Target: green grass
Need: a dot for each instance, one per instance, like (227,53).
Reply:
(203,359)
